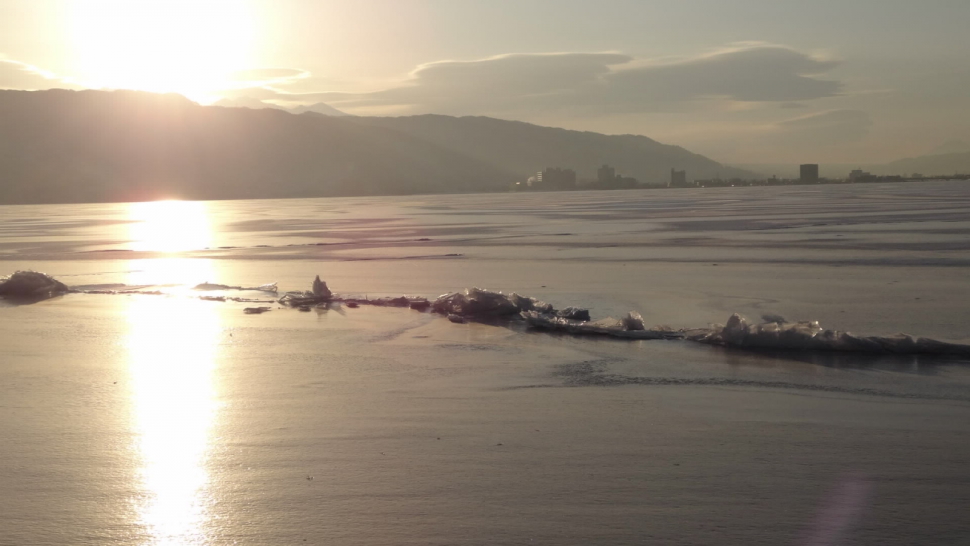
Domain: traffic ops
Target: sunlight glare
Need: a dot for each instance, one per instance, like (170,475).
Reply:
(177,274)
(169,226)
(183,46)
(173,344)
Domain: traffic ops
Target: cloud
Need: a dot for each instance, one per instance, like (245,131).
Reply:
(291,85)
(747,73)
(257,77)
(503,82)
(597,83)
(824,128)
(258,93)
(18,75)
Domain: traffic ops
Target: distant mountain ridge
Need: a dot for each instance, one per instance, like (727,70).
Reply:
(928,165)
(524,148)
(97,146)
(939,162)
(94,146)
(953,146)
(256,104)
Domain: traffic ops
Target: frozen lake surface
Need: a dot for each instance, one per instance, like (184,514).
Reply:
(164,419)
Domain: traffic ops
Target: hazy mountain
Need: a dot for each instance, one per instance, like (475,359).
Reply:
(256,104)
(941,164)
(928,165)
(245,102)
(90,146)
(525,148)
(319,108)
(952,157)
(954,146)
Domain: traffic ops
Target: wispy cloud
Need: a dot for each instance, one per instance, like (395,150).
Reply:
(750,72)
(18,75)
(529,84)
(801,139)
(261,77)
(592,83)
(827,128)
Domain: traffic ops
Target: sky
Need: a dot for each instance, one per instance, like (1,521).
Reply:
(741,81)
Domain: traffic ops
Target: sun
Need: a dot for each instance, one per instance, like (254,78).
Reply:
(190,47)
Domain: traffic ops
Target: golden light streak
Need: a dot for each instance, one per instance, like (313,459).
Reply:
(173,345)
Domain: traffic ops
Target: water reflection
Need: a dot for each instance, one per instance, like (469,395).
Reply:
(173,343)
(169,226)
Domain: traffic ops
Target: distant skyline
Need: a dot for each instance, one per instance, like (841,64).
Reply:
(742,82)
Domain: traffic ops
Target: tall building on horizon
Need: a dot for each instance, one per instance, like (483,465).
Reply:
(606,175)
(678,179)
(808,172)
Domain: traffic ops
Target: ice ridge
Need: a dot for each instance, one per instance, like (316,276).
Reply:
(478,304)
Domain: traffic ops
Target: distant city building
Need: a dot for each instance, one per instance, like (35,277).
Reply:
(606,175)
(607,179)
(678,179)
(561,179)
(626,182)
(555,178)
(808,172)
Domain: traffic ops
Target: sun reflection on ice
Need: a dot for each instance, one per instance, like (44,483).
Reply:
(178,274)
(173,344)
(169,226)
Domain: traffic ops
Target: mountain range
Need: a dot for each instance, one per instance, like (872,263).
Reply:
(256,104)
(928,165)
(101,146)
